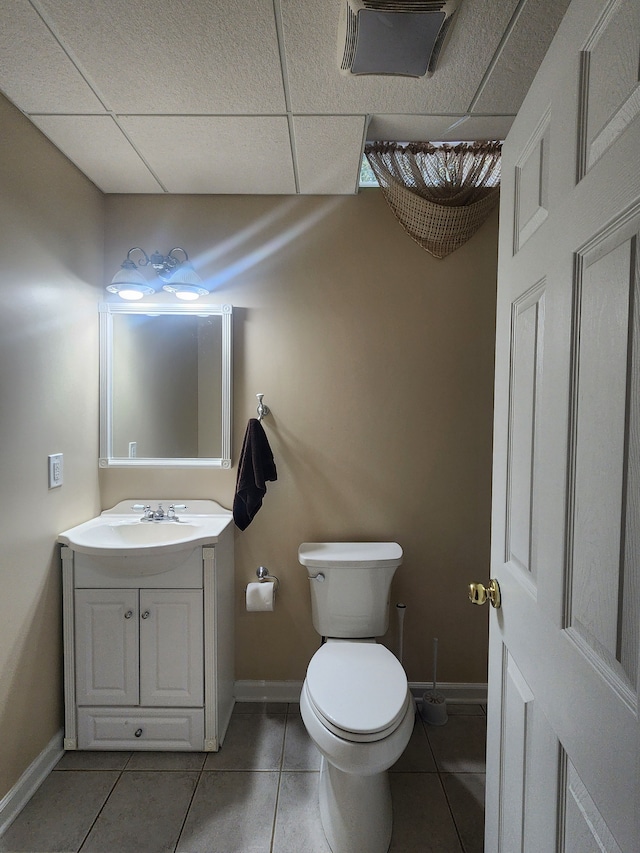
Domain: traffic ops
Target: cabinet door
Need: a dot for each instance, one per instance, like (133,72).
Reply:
(106,624)
(171,648)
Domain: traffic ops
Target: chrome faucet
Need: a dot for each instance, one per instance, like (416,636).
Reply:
(170,515)
(159,514)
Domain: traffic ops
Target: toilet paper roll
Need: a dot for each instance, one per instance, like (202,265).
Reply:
(260,596)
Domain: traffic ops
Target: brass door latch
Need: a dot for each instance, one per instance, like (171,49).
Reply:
(478,593)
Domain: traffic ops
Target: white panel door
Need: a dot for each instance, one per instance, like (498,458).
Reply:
(563,754)
(171,648)
(106,623)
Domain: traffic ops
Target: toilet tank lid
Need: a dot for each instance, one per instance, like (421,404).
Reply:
(350,554)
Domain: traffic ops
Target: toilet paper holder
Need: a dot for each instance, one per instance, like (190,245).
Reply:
(263,573)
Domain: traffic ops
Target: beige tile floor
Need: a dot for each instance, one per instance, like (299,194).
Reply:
(258,794)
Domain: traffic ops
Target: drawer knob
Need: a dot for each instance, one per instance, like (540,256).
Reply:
(146,614)
(128,614)
(138,732)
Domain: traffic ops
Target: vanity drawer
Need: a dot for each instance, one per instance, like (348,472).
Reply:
(141,728)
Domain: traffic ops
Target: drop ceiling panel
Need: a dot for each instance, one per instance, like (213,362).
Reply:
(328,153)
(206,95)
(36,73)
(208,154)
(317,86)
(99,149)
(403,128)
(523,51)
(165,56)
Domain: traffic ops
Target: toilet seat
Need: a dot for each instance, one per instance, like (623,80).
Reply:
(358,690)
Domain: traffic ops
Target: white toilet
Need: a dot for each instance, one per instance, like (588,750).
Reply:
(355,701)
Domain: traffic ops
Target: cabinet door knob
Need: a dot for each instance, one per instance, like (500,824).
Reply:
(138,732)
(146,614)
(128,614)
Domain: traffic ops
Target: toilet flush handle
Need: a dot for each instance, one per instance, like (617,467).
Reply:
(319,577)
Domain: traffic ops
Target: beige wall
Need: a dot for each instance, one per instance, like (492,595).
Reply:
(375,359)
(377,363)
(51,232)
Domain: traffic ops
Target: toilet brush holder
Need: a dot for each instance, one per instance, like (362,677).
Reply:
(434,706)
(433,709)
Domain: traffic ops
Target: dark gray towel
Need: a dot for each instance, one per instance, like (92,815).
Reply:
(255,467)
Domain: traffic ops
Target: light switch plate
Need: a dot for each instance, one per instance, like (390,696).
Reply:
(55,470)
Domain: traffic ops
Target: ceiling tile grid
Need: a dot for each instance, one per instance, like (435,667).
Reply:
(317,86)
(98,148)
(404,128)
(172,57)
(216,154)
(246,96)
(35,72)
(328,152)
(528,40)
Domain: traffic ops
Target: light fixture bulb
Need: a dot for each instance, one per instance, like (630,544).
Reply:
(185,283)
(130,294)
(129,283)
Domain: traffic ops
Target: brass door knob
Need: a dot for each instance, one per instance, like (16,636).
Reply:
(478,593)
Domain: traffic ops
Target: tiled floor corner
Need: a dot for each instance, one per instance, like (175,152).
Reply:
(258,794)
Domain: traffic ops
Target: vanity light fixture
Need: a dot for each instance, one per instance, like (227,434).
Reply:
(179,276)
(185,283)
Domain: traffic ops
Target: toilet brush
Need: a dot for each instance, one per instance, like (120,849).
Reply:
(434,705)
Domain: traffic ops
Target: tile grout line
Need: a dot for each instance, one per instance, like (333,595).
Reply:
(275,810)
(442,786)
(453,817)
(444,789)
(106,800)
(289,745)
(188,809)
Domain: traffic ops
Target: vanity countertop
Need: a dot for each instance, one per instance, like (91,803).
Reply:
(122,531)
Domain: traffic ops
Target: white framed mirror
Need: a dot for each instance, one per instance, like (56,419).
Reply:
(165,385)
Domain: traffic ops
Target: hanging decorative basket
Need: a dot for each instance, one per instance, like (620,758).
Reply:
(440,195)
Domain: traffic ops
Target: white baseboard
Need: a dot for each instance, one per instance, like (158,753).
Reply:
(454,693)
(289,691)
(267,691)
(16,799)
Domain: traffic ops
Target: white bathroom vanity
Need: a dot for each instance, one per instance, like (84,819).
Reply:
(148,628)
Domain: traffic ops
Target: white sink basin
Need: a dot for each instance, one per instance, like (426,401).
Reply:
(132,534)
(120,533)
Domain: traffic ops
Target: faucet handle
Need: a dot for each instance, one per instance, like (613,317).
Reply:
(171,512)
(144,508)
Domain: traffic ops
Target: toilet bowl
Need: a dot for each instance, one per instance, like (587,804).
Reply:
(358,710)
(355,701)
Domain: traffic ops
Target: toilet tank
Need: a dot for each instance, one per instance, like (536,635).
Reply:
(350,583)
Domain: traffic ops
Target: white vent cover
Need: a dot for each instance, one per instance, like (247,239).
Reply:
(401,37)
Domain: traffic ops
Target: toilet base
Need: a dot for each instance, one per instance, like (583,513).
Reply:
(355,810)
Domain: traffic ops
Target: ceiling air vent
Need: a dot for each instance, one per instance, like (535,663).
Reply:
(401,37)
